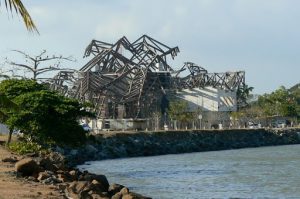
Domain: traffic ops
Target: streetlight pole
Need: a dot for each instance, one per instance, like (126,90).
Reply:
(200,118)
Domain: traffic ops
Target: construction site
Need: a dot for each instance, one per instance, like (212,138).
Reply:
(131,83)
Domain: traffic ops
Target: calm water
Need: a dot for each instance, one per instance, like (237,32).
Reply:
(268,172)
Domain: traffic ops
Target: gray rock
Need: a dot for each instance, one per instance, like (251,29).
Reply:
(90,149)
(117,196)
(58,160)
(124,191)
(31,178)
(43,175)
(52,162)
(73,175)
(73,152)
(102,180)
(51,180)
(96,187)
(115,188)
(75,188)
(47,164)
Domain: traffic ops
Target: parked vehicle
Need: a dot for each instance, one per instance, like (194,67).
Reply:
(253,125)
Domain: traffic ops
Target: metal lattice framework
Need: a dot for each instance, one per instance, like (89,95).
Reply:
(199,77)
(129,79)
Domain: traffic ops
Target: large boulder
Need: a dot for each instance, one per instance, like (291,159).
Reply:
(86,189)
(53,161)
(90,149)
(124,191)
(117,196)
(96,187)
(115,188)
(47,164)
(27,167)
(100,178)
(74,174)
(102,181)
(75,189)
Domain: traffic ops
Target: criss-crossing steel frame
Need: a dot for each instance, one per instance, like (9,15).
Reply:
(199,77)
(128,80)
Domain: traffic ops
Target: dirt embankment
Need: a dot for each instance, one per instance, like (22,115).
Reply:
(13,187)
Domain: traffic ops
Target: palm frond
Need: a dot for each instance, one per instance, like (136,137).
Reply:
(19,8)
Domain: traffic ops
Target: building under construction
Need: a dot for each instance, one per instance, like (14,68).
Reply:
(134,79)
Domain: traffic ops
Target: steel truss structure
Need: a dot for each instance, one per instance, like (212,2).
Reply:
(199,77)
(129,80)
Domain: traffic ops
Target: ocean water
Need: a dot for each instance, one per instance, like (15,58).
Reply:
(266,172)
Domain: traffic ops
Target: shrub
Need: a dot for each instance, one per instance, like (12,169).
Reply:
(23,147)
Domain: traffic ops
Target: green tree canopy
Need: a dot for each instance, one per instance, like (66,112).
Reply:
(281,102)
(15,87)
(179,110)
(43,114)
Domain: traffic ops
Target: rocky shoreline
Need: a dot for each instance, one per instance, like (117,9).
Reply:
(57,167)
(71,183)
(109,145)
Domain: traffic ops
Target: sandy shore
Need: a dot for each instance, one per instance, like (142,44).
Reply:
(12,187)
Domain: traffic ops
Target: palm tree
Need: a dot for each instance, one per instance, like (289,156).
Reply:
(19,8)
(243,94)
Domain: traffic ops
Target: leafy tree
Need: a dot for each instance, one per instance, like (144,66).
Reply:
(295,92)
(19,8)
(179,111)
(44,115)
(250,113)
(280,102)
(15,87)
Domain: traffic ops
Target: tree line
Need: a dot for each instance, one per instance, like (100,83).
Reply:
(282,102)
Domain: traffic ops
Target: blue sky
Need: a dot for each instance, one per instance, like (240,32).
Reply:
(260,37)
